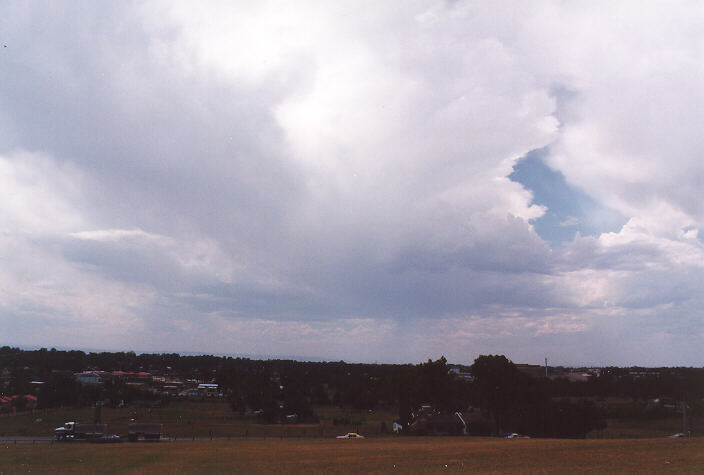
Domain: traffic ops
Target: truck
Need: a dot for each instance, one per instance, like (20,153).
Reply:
(76,431)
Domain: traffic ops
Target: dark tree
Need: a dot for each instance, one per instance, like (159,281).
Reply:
(59,390)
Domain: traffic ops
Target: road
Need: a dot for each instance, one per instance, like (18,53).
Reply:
(21,439)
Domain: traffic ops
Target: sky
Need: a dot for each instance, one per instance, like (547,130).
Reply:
(369,181)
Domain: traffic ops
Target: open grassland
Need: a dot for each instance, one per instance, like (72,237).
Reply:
(404,454)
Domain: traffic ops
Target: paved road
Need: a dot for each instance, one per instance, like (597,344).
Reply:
(21,439)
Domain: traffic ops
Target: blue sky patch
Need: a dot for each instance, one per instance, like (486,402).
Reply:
(570,210)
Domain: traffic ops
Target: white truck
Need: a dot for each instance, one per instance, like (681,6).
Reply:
(76,431)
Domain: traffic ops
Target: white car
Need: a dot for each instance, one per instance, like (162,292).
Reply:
(516,435)
(350,435)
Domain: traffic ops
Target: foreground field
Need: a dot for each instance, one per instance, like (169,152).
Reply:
(371,455)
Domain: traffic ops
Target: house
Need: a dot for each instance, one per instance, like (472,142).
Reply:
(428,421)
(31,401)
(573,377)
(208,389)
(133,377)
(462,373)
(5,377)
(88,377)
(439,424)
(423,410)
(9,402)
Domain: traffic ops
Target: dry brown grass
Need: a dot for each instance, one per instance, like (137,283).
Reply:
(403,455)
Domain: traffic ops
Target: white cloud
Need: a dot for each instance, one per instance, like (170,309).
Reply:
(38,194)
(631,136)
(570,221)
(315,176)
(111,235)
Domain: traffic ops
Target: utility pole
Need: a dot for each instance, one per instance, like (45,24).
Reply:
(97,406)
(546,366)
(685,429)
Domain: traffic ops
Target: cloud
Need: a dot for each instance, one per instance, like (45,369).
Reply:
(39,194)
(111,235)
(570,221)
(309,178)
(630,136)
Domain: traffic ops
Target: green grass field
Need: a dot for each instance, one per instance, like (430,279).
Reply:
(389,454)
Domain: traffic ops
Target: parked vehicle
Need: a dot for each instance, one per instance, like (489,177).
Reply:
(76,431)
(350,435)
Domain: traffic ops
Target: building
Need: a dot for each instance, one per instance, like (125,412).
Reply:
(133,377)
(88,377)
(208,389)
(461,372)
(9,403)
(439,424)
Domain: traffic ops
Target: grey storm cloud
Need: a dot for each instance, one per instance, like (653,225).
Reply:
(308,179)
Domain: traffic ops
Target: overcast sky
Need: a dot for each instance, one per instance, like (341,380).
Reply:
(368,181)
